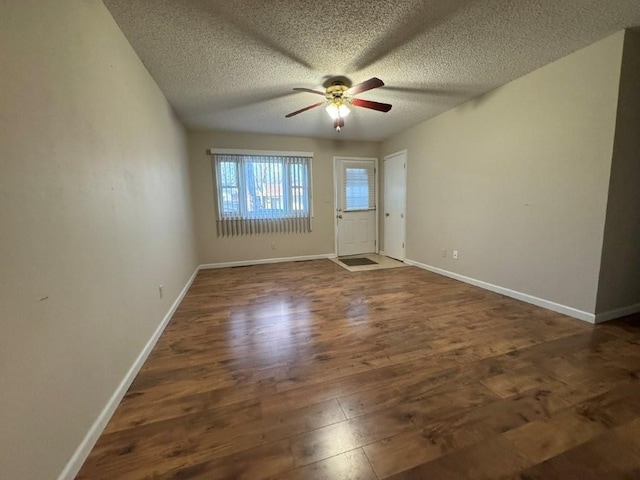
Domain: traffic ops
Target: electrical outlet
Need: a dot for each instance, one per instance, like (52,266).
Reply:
(444,253)
(455,254)
(161,291)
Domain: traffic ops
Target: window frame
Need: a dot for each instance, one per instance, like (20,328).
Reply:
(287,196)
(371,182)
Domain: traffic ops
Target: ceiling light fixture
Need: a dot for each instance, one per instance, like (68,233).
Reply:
(336,110)
(338,94)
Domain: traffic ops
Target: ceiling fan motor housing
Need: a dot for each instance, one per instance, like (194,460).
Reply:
(336,91)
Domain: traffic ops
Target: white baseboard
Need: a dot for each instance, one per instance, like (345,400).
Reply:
(617,313)
(82,452)
(245,263)
(540,302)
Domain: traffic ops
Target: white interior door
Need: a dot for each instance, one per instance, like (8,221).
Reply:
(356,201)
(395,198)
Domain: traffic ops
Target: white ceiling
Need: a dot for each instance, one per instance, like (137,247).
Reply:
(232,64)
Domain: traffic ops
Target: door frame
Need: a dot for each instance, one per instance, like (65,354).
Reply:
(404,224)
(336,199)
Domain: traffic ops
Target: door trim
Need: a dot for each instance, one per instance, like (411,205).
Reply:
(335,199)
(406,176)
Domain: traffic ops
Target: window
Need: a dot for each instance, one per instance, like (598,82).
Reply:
(259,193)
(359,186)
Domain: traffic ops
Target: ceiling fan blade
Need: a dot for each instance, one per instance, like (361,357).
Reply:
(380,107)
(364,86)
(304,109)
(308,90)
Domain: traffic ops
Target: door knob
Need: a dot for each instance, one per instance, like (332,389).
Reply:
(338,216)
(386,214)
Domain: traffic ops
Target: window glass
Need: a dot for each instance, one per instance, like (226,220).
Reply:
(251,187)
(359,188)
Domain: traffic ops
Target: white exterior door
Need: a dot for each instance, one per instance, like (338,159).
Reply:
(395,197)
(356,200)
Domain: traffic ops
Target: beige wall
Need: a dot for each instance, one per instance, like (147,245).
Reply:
(94,214)
(620,271)
(214,249)
(517,180)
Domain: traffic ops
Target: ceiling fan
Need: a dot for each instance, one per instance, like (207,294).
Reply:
(339,94)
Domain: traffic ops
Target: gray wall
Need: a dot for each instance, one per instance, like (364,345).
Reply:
(95,213)
(620,271)
(214,249)
(517,180)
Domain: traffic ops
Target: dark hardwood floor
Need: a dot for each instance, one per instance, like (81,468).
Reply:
(307,371)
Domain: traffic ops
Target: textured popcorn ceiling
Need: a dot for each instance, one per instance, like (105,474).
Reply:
(232,64)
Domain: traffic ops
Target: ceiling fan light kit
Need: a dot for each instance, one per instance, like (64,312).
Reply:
(336,110)
(339,96)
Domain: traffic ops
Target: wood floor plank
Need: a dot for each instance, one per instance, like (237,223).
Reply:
(495,458)
(345,436)
(443,435)
(304,370)
(611,455)
(352,465)
(517,380)
(259,463)
(543,439)
(413,448)
(199,437)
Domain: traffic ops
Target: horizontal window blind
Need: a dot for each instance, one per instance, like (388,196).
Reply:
(262,194)
(359,186)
